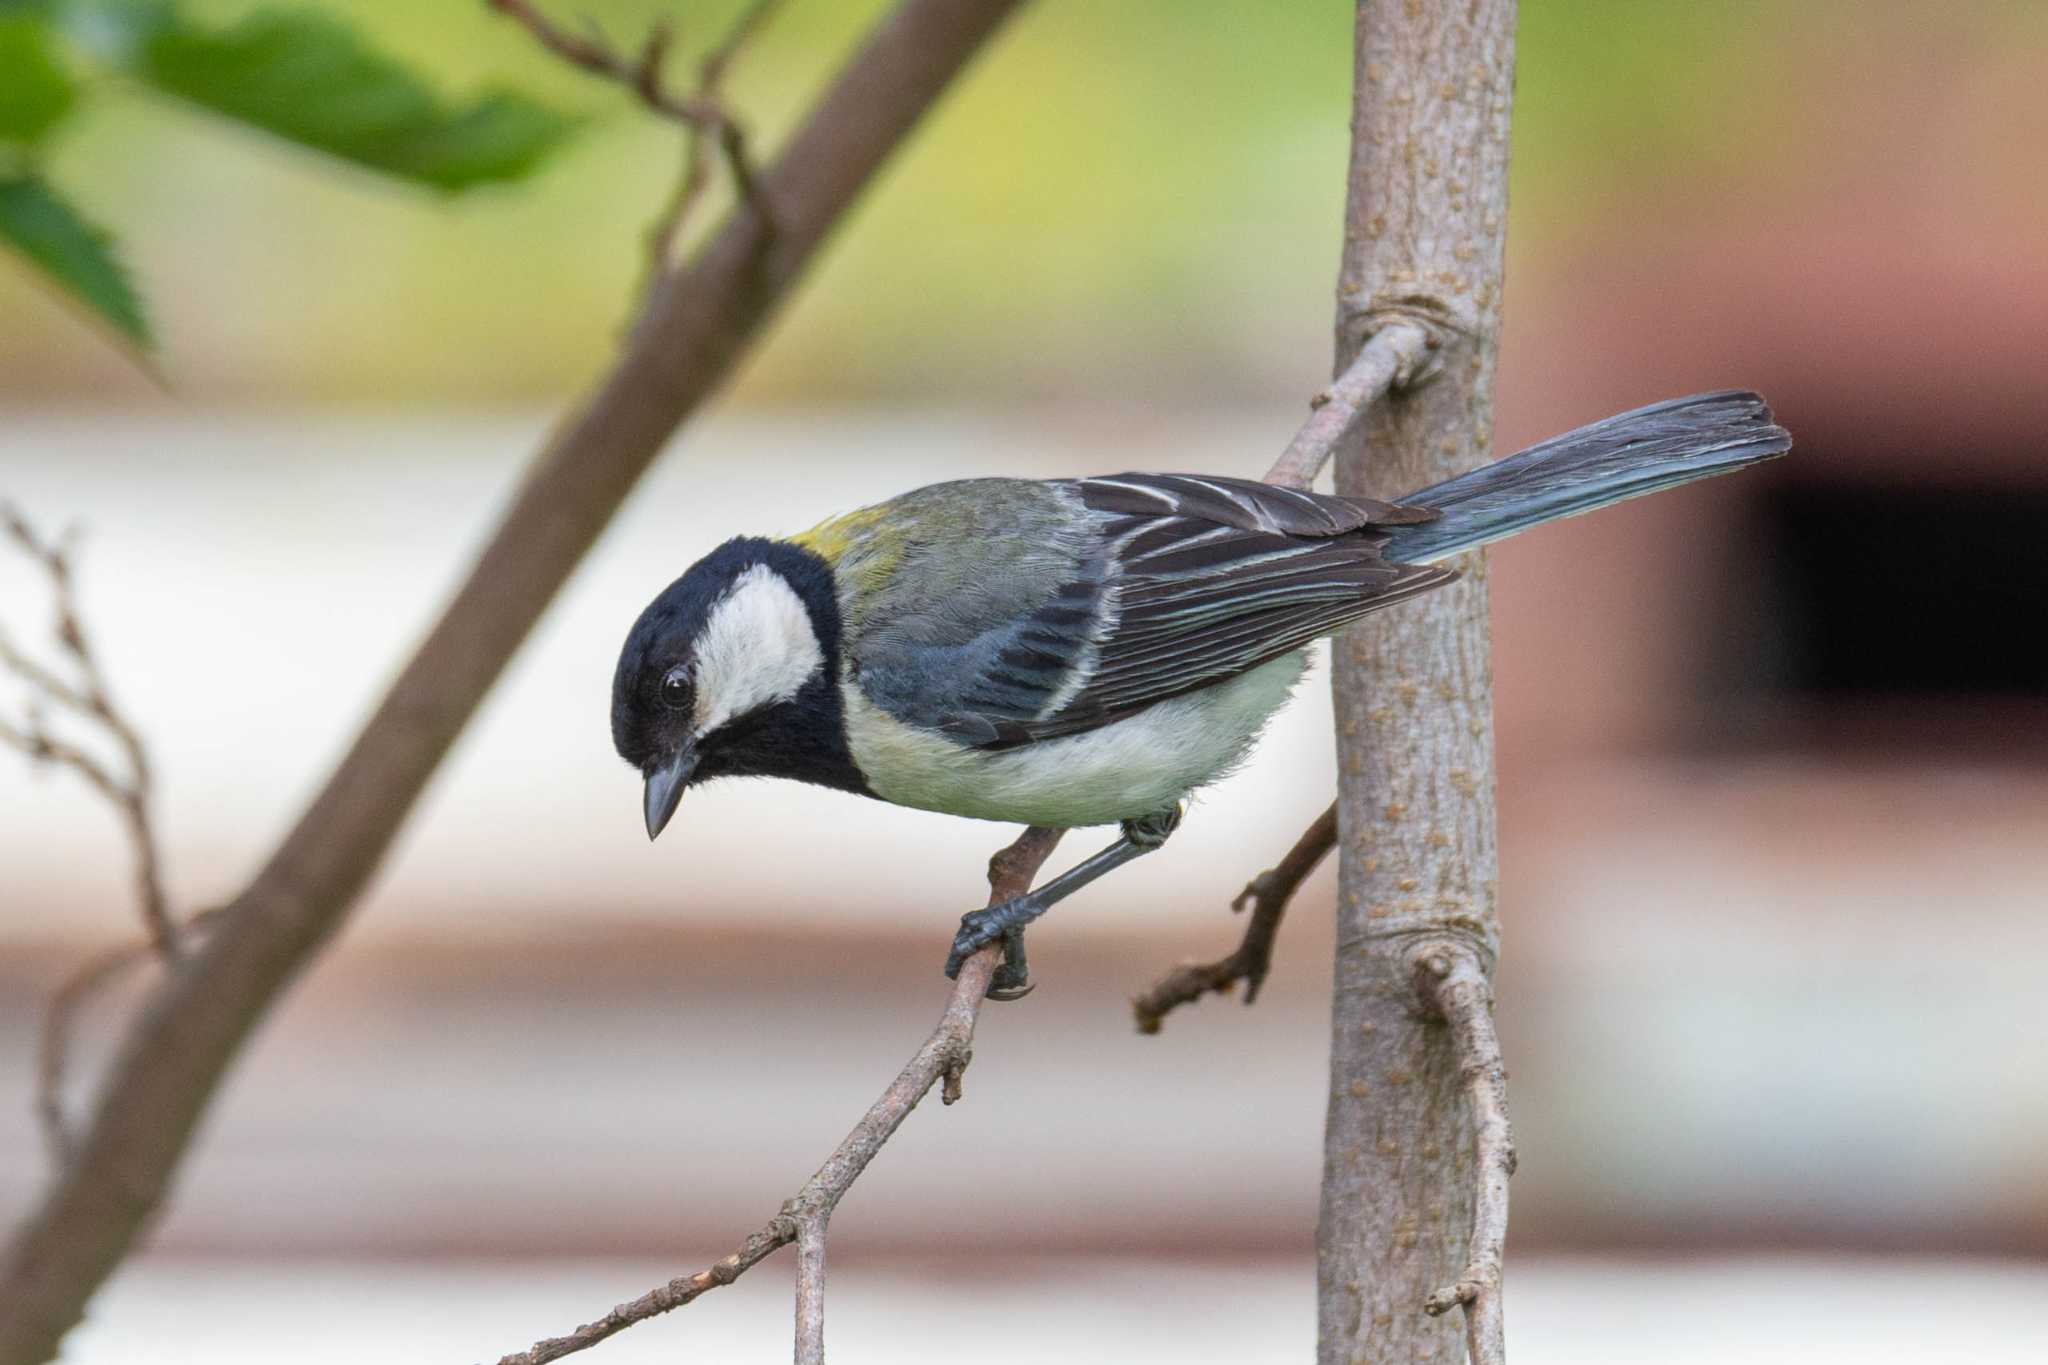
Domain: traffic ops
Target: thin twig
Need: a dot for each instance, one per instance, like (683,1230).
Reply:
(34,740)
(1452,982)
(696,176)
(1394,358)
(702,112)
(90,699)
(943,1057)
(641,74)
(711,73)
(1268,895)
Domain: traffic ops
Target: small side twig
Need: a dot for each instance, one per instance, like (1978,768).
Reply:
(702,112)
(641,74)
(89,699)
(84,696)
(1395,356)
(942,1058)
(1453,984)
(1268,895)
(696,176)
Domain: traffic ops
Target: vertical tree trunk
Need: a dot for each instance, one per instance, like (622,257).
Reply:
(1424,231)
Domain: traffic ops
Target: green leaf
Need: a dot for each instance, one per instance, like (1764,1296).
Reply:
(35,89)
(77,257)
(311,80)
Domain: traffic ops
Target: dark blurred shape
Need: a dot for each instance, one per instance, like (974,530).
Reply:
(1867,607)
(1923,591)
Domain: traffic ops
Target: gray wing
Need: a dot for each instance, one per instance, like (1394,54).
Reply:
(1180,582)
(967,603)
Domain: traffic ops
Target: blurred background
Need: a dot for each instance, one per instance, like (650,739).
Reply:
(1773,752)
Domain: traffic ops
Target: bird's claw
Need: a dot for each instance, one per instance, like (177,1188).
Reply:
(965,945)
(978,929)
(1003,995)
(1012,980)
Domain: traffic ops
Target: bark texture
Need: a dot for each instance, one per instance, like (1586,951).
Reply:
(1424,231)
(696,323)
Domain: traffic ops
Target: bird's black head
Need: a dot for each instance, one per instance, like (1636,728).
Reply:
(732,670)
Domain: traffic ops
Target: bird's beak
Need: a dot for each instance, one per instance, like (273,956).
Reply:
(665,787)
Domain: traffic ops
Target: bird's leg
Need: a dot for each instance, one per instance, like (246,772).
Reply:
(1006,921)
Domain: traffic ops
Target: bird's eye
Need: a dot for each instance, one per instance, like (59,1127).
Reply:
(675,689)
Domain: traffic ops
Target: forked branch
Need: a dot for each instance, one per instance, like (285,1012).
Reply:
(702,113)
(643,74)
(941,1061)
(76,687)
(1452,983)
(86,697)
(1268,894)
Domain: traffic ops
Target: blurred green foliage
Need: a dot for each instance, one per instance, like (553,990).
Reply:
(35,89)
(310,79)
(76,255)
(1122,198)
(301,75)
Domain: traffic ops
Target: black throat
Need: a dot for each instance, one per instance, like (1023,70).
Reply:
(803,738)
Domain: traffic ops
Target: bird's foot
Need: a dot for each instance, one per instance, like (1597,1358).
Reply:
(979,928)
(1150,831)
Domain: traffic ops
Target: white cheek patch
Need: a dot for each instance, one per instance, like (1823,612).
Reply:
(757,647)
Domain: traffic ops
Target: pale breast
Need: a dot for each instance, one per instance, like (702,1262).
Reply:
(1133,767)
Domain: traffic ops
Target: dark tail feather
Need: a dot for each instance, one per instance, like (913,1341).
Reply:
(1661,446)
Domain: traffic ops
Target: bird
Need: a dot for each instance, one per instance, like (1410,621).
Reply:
(1077,652)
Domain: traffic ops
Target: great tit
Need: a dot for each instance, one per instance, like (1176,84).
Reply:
(1070,652)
